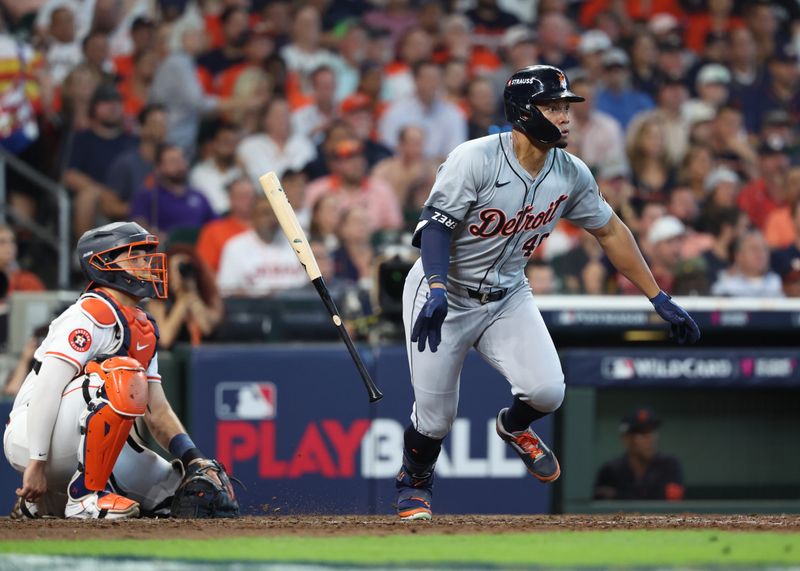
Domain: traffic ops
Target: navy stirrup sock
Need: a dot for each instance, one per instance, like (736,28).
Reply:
(420,452)
(520,416)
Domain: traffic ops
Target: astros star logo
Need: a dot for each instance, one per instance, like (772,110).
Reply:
(80,340)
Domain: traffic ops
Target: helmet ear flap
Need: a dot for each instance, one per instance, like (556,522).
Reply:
(541,128)
(530,120)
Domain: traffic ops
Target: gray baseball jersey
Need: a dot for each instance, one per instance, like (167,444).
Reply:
(498,215)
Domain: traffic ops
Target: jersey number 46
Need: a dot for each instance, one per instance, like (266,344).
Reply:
(531,243)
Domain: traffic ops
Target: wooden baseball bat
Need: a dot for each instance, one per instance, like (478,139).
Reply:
(297,238)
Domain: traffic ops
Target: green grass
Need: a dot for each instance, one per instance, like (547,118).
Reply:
(545,549)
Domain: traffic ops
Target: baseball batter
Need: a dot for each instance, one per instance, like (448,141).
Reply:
(71,431)
(495,200)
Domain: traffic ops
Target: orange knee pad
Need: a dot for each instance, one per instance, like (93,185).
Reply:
(124,384)
(109,417)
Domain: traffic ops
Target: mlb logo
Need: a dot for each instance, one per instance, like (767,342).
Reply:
(618,368)
(246,401)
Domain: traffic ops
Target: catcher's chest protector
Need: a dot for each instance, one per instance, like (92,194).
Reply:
(142,333)
(138,329)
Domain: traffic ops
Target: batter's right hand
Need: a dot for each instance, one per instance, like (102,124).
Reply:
(34,481)
(429,322)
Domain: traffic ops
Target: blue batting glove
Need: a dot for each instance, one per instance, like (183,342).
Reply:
(429,322)
(682,326)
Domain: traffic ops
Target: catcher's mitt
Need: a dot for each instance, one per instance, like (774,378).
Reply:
(201,496)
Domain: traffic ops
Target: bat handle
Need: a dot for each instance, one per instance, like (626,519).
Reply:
(372,390)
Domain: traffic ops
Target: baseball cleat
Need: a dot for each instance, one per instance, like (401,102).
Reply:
(538,458)
(23,509)
(101,505)
(414,495)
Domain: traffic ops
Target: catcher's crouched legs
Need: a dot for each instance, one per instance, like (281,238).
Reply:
(104,428)
(143,476)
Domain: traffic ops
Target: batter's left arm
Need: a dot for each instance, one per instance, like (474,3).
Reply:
(621,248)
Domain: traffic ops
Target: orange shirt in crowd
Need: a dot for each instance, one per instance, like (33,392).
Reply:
(213,31)
(699,26)
(206,80)
(22,280)
(757,203)
(294,91)
(481,59)
(225,82)
(779,228)
(213,237)
(124,65)
(636,9)
(131,102)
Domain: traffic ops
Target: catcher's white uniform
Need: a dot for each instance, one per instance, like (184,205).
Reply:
(45,421)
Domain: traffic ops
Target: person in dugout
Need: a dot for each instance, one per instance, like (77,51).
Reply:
(641,473)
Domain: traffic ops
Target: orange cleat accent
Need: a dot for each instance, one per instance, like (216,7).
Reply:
(101,505)
(414,514)
(116,503)
(537,457)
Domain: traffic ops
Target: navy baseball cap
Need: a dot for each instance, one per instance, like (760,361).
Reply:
(102,93)
(640,421)
(142,22)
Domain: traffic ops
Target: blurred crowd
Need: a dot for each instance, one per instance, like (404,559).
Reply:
(168,111)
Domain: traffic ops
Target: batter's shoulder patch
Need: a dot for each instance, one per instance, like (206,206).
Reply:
(80,340)
(98,311)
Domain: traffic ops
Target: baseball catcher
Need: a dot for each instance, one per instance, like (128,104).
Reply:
(75,429)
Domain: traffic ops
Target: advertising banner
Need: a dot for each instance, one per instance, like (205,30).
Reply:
(739,368)
(294,424)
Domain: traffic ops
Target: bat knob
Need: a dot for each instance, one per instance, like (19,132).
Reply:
(375,396)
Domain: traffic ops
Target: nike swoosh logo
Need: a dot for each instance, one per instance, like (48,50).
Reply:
(140,347)
(498,184)
(45,454)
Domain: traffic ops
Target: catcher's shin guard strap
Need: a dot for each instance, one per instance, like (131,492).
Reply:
(103,434)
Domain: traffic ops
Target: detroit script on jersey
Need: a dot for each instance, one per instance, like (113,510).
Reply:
(500,214)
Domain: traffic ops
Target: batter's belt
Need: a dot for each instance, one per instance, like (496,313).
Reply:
(487,296)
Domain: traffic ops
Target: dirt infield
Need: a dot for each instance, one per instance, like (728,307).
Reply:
(380,525)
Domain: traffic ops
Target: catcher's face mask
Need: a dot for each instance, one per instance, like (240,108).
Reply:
(136,263)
